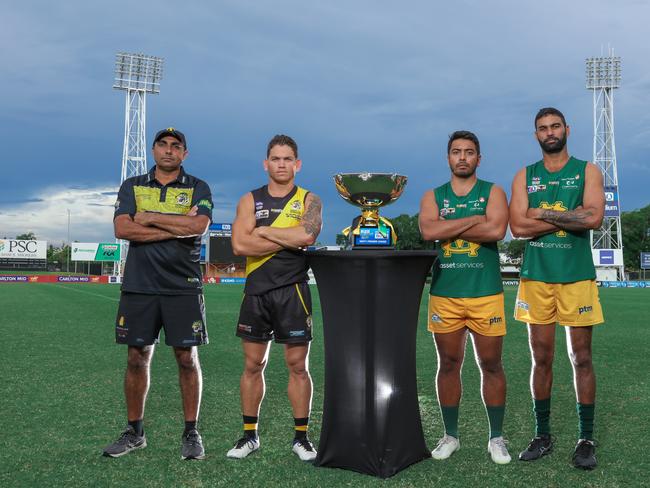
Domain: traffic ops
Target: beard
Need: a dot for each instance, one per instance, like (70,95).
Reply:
(552,146)
(464,172)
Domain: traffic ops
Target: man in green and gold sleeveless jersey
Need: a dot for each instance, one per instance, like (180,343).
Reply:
(555,202)
(274,223)
(467,216)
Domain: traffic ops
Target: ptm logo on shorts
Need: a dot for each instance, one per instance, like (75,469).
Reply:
(585,309)
(296,333)
(496,320)
(435,318)
(522,305)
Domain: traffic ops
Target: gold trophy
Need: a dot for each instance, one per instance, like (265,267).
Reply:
(370,191)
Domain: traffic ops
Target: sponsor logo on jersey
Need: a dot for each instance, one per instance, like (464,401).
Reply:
(536,188)
(435,318)
(568,183)
(276,210)
(447,211)
(536,180)
(522,305)
(461,205)
(585,309)
(261,214)
(204,203)
(495,320)
(482,199)
(445,203)
(259,205)
(553,182)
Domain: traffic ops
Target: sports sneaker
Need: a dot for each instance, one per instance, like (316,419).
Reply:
(498,450)
(127,442)
(584,456)
(445,448)
(304,449)
(244,447)
(192,445)
(538,447)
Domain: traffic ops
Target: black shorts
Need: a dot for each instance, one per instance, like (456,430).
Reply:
(140,318)
(283,314)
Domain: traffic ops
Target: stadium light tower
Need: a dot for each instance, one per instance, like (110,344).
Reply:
(603,76)
(137,74)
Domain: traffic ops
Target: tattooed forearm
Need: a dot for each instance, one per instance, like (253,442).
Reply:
(576,220)
(312,220)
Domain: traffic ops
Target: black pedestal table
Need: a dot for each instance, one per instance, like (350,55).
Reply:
(370,302)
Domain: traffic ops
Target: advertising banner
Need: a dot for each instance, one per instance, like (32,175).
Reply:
(645,260)
(612,207)
(20,249)
(95,251)
(607,257)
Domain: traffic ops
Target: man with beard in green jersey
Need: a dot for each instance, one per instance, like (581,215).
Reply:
(555,203)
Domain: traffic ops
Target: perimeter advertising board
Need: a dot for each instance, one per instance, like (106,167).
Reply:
(22,249)
(95,251)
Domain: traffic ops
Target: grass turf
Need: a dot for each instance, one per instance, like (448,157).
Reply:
(62,402)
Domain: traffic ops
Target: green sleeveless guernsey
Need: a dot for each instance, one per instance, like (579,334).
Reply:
(564,256)
(465,269)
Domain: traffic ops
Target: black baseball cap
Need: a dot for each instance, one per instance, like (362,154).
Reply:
(171,132)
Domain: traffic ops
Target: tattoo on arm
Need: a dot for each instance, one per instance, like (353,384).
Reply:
(572,220)
(312,220)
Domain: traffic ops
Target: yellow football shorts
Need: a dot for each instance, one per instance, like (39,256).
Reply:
(572,304)
(484,315)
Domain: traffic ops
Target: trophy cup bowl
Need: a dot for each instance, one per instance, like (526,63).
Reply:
(370,191)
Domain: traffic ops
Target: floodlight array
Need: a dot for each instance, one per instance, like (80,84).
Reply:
(604,72)
(138,72)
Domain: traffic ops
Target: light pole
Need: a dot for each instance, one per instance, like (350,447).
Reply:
(69,243)
(137,74)
(603,77)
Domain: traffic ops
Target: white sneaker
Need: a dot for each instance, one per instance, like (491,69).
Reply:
(244,447)
(498,450)
(304,449)
(445,448)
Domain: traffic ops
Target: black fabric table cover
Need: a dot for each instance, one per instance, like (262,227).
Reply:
(370,302)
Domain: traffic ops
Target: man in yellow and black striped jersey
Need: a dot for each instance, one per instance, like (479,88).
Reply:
(274,224)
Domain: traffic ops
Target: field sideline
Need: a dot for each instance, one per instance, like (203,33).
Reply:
(62,402)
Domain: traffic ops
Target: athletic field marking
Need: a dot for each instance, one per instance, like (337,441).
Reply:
(86,292)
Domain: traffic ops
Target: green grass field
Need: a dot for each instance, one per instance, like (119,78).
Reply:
(62,402)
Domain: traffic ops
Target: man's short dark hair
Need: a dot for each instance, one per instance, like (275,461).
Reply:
(282,140)
(543,112)
(464,134)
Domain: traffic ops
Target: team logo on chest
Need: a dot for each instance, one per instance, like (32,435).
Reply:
(182,199)
(460,246)
(558,207)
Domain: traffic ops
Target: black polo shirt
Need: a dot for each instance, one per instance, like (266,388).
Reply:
(169,267)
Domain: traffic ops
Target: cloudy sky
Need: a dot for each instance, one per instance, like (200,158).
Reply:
(361,85)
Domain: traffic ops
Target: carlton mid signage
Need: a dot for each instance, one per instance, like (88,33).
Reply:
(22,249)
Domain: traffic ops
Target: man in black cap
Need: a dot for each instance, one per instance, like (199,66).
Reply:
(163,214)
